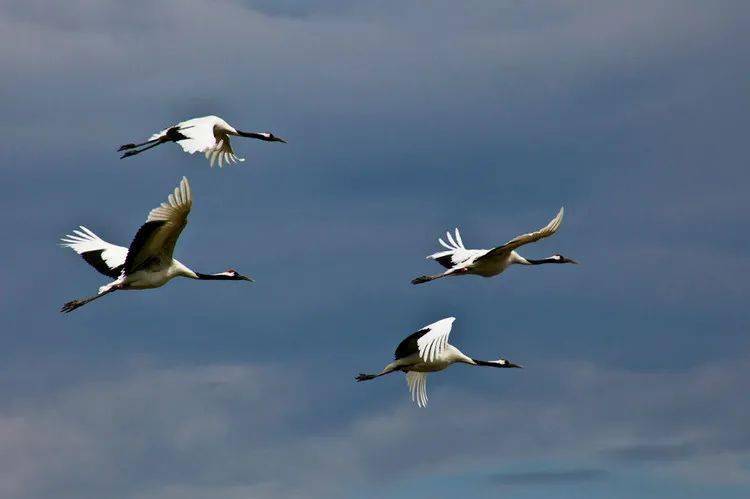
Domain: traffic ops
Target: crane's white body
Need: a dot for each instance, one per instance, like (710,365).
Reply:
(148,262)
(476,261)
(445,357)
(208,135)
(460,260)
(83,240)
(152,277)
(428,351)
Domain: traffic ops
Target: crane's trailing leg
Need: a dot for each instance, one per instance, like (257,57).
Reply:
(172,135)
(74,304)
(126,147)
(427,278)
(133,152)
(366,377)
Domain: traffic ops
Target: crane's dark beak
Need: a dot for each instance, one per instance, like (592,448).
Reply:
(569,260)
(278,139)
(245,278)
(511,364)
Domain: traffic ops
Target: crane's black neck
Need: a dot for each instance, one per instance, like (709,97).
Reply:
(542,261)
(214,277)
(486,363)
(494,363)
(252,135)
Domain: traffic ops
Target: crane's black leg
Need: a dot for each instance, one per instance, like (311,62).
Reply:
(74,304)
(125,147)
(427,278)
(133,152)
(367,377)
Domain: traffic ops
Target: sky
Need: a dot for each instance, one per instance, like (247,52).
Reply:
(403,120)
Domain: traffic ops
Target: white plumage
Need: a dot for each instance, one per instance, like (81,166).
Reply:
(425,351)
(490,262)
(208,135)
(148,262)
(84,241)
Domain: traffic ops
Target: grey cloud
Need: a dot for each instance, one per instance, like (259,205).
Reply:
(548,477)
(655,452)
(681,451)
(234,429)
(403,122)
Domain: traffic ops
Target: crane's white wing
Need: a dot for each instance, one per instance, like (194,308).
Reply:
(432,343)
(222,152)
(456,253)
(531,237)
(206,135)
(417,387)
(155,240)
(105,257)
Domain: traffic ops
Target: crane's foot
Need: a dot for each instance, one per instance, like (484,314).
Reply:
(72,305)
(129,153)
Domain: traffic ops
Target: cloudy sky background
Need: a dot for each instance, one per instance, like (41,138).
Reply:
(403,120)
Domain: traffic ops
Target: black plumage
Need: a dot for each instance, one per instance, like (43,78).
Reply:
(141,237)
(94,258)
(409,345)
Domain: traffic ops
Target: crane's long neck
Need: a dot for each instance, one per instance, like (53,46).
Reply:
(464,359)
(222,276)
(501,363)
(543,260)
(252,135)
(528,261)
(485,363)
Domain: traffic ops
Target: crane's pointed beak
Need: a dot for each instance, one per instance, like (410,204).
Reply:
(570,260)
(279,139)
(246,278)
(511,364)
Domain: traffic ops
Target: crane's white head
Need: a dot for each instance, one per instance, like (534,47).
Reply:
(269,137)
(227,275)
(505,363)
(236,276)
(558,258)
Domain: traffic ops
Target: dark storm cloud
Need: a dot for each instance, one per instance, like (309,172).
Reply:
(403,121)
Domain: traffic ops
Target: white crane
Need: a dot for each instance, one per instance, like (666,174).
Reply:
(487,263)
(148,262)
(428,351)
(209,135)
